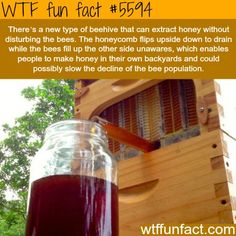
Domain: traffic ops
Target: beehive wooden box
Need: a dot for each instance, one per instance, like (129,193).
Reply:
(188,181)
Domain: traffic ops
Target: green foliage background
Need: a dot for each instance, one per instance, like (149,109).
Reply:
(53,101)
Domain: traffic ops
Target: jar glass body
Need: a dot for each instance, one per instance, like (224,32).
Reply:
(73,183)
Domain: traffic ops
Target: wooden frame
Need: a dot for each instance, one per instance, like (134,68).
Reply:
(190,181)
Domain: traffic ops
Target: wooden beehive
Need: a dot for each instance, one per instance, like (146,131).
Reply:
(190,178)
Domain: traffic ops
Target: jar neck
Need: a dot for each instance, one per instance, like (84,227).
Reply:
(83,129)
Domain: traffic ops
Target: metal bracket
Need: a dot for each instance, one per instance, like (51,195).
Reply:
(100,120)
(202,110)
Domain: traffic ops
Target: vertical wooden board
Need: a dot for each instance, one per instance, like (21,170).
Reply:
(175,93)
(210,98)
(229,149)
(226,96)
(166,101)
(190,103)
(206,90)
(213,123)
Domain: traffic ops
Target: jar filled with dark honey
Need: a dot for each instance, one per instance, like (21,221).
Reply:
(73,183)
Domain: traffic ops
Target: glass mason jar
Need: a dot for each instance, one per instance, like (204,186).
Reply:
(73,183)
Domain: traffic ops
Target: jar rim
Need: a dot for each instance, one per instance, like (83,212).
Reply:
(77,126)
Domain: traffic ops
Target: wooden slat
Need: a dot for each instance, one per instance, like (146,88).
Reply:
(177,109)
(190,101)
(167,106)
